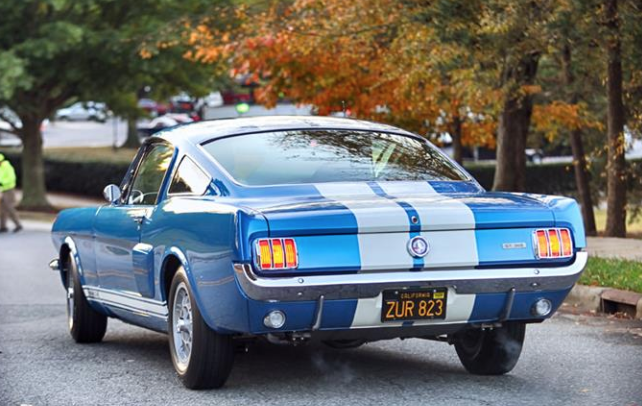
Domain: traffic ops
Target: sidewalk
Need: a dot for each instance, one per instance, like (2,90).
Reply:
(609,247)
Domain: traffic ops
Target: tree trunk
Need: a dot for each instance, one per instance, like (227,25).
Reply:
(582,182)
(132,133)
(579,157)
(34,193)
(514,123)
(616,164)
(455,133)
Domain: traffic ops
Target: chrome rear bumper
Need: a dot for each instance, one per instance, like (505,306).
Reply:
(364,285)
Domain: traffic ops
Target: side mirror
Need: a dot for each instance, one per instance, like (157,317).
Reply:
(112,194)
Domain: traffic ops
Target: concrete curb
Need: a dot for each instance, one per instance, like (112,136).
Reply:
(608,300)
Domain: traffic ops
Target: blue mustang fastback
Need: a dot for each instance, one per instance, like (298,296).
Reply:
(295,229)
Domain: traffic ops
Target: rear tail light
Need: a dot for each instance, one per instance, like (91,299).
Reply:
(278,256)
(552,243)
(264,254)
(276,253)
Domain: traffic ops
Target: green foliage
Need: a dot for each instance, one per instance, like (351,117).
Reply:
(52,51)
(12,74)
(614,273)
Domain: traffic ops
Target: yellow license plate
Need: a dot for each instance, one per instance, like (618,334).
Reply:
(415,304)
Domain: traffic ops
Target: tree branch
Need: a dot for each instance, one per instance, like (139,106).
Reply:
(14,130)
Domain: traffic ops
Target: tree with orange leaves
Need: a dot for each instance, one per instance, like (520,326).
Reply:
(466,67)
(374,58)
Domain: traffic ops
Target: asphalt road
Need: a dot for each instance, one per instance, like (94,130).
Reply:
(568,360)
(77,134)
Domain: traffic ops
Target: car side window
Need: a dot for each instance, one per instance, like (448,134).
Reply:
(189,179)
(150,174)
(126,183)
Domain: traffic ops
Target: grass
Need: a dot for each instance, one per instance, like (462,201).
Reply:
(634,226)
(89,154)
(613,273)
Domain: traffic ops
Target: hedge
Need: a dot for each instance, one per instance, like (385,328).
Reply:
(89,178)
(547,179)
(75,177)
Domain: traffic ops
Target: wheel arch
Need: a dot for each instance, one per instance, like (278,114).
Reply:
(171,265)
(67,248)
(173,259)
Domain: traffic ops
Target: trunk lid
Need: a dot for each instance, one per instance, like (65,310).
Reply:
(363,208)
(356,227)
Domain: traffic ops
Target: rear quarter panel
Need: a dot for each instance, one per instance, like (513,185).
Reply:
(207,237)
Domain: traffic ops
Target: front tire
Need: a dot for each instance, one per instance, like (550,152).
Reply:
(491,352)
(86,325)
(202,358)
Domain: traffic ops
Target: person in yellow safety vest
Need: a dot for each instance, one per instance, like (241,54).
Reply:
(8,196)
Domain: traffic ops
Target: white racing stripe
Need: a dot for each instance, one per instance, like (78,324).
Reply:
(436,211)
(439,213)
(126,301)
(368,312)
(382,225)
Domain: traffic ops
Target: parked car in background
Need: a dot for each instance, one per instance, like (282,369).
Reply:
(153,108)
(291,229)
(534,155)
(182,103)
(84,111)
(161,123)
(214,99)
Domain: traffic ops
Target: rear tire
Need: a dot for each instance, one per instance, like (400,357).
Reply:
(86,325)
(202,358)
(491,352)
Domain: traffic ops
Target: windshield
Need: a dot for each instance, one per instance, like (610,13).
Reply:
(313,156)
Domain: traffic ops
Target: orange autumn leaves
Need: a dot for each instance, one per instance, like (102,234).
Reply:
(375,56)
(558,117)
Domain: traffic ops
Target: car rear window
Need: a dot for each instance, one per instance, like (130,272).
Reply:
(312,156)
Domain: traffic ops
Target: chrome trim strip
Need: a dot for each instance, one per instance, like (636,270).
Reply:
(363,285)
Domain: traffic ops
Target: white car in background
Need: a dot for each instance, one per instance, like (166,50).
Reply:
(163,122)
(83,111)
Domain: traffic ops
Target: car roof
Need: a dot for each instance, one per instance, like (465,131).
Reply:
(202,131)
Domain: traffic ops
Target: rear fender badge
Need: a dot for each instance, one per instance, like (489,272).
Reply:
(418,247)
(513,245)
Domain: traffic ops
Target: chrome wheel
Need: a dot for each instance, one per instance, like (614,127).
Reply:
(70,298)
(182,326)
